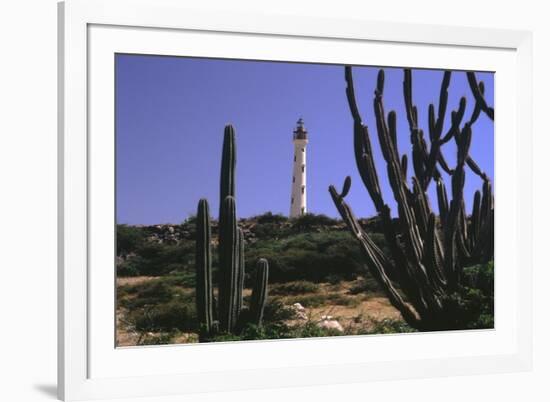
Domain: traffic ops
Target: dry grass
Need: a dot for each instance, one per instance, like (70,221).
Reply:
(356,311)
(133,280)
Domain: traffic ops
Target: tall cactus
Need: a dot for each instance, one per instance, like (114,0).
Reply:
(427,255)
(204,268)
(228,166)
(259,293)
(231,258)
(229,265)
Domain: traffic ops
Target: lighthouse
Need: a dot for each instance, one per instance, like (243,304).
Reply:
(298,198)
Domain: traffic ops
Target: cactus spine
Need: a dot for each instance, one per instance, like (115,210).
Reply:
(427,256)
(231,258)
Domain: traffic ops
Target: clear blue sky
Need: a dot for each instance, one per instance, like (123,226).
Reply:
(171,112)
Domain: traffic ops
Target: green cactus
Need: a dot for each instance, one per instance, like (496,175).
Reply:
(428,255)
(230,310)
(259,292)
(240,278)
(204,268)
(228,166)
(229,265)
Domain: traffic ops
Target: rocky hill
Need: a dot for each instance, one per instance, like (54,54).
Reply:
(254,228)
(312,247)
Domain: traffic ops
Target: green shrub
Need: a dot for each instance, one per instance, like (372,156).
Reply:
(472,305)
(127,268)
(157,259)
(269,217)
(168,316)
(308,256)
(311,330)
(128,239)
(365,285)
(390,326)
(276,312)
(307,221)
(294,288)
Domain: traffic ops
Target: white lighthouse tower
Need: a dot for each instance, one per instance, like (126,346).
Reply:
(298,204)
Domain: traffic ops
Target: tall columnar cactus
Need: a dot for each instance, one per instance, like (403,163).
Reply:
(228,166)
(231,254)
(259,293)
(229,248)
(203,262)
(427,254)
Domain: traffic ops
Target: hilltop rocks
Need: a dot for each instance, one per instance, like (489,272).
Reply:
(253,228)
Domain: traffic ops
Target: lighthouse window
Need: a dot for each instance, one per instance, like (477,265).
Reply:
(303,150)
(303,189)
(292,200)
(303,168)
(294,158)
(293,179)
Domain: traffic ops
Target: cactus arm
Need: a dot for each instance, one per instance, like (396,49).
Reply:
(240,278)
(475,224)
(203,267)
(436,129)
(376,262)
(442,201)
(477,91)
(362,146)
(433,257)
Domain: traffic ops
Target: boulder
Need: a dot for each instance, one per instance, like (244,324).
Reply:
(330,324)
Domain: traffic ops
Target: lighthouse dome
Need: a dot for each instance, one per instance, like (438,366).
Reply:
(300,132)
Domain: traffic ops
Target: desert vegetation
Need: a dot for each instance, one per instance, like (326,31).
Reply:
(271,277)
(159,307)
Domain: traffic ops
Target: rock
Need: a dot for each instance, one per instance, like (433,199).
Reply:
(299,311)
(330,324)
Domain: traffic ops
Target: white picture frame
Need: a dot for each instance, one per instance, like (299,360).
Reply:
(90,367)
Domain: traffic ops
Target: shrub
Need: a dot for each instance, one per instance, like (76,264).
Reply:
(311,330)
(309,256)
(174,315)
(390,326)
(269,217)
(127,268)
(294,288)
(307,221)
(159,259)
(128,239)
(364,285)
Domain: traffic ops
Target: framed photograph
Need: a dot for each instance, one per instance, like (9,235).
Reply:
(255,201)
